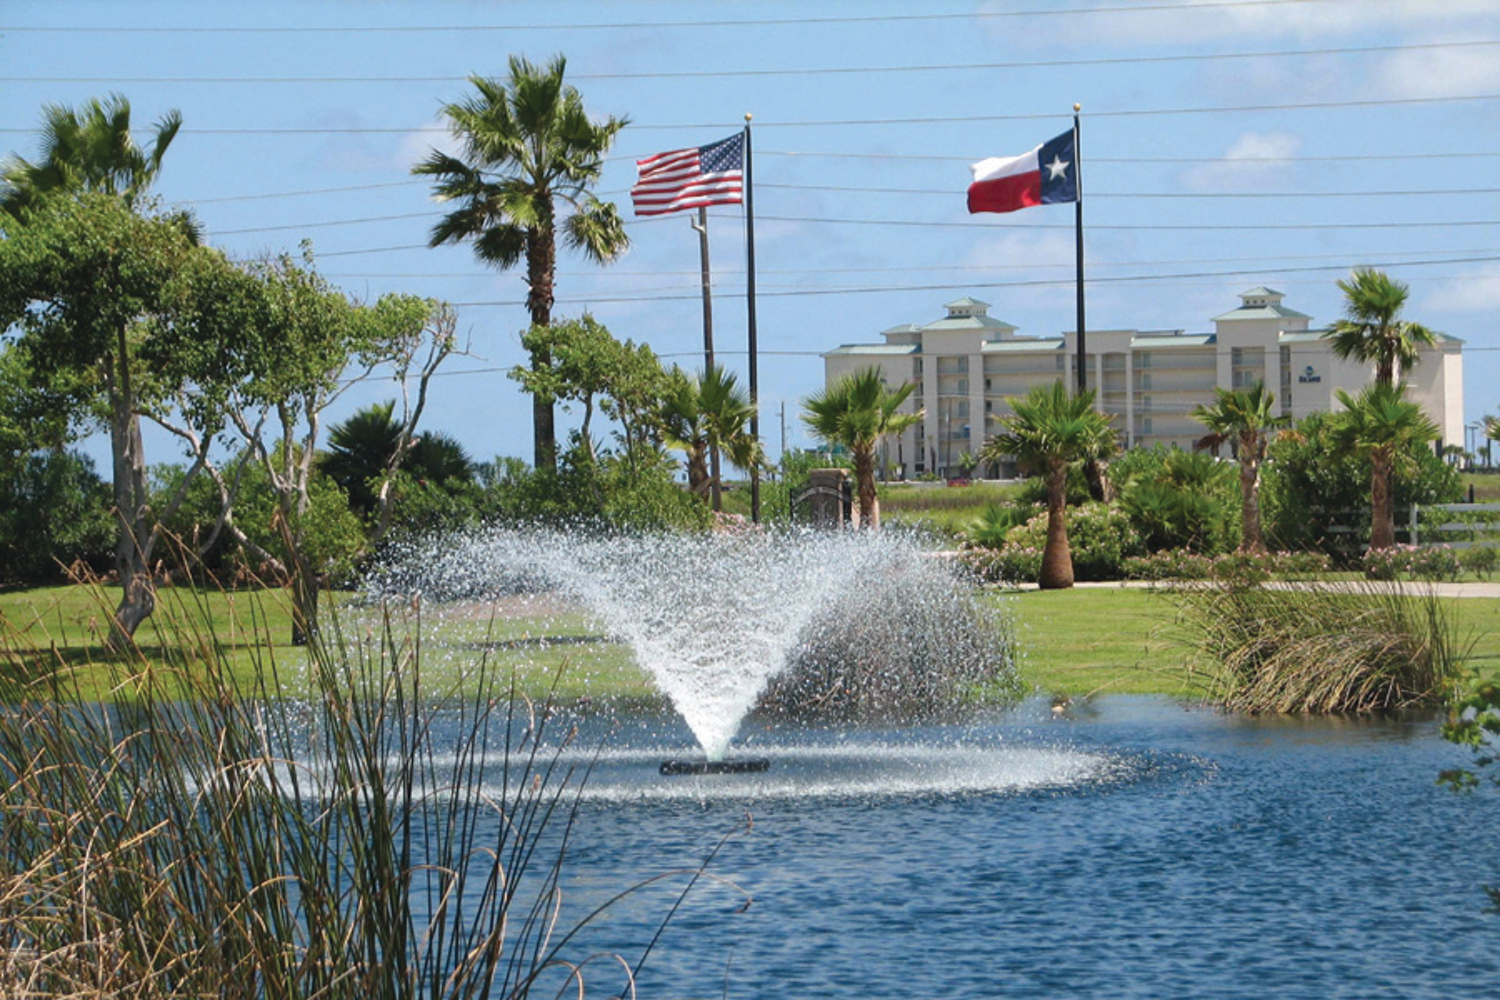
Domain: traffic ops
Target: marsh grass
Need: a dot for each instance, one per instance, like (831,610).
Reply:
(199,836)
(1344,647)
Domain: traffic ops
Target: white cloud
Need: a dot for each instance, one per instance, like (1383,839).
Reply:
(1476,289)
(1255,159)
(1176,21)
(1438,72)
(416,146)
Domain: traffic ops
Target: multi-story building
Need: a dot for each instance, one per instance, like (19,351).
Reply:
(968,364)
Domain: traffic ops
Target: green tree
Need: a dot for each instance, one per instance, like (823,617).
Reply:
(1047,431)
(856,412)
(1382,424)
(527,145)
(1372,330)
(360,451)
(312,345)
(1245,419)
(122,314)
(90,148)
(704,412)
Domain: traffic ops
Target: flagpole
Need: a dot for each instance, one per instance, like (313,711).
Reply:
(750,320)
(1083,382)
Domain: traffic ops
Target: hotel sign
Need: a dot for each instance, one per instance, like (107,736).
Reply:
(1309,375)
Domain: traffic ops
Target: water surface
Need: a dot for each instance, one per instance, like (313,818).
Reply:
(1131,849)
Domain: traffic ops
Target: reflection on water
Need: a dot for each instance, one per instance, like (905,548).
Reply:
(1137,849)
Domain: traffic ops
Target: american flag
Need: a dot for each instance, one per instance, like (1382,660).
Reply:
(690,178)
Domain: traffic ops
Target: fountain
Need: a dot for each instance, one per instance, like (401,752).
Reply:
(715,618)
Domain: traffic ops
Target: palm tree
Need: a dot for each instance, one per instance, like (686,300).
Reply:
(90,148)
(1384,425)
(527,145)
(702,413)
(1046,432)
(856,412)
(1372,330)
(1245,417)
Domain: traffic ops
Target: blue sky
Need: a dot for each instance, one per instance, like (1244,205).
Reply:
(1226,144)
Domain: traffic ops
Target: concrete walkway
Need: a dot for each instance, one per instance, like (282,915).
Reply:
(1491,590)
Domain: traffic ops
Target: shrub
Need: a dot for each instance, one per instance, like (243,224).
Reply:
(1311,487)
(1007,564)
(1234,568)
(1336,648)
(1179,499)
(994,522)
(1480,560)
(1412,562)
(54,512)
(1100,537)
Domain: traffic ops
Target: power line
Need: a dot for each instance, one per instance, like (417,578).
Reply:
(1387,102)
(1025,283)
(802,71)
(695,273)
(952,193)
(618,25)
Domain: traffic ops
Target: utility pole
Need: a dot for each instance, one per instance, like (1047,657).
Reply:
(701,227)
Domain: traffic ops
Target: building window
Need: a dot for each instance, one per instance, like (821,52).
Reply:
(1145,380)
(1062,361)
(1145,404)
(1143,359)
(1146,425)
(963,387)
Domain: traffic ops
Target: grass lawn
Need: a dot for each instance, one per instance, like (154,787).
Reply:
(1088,640)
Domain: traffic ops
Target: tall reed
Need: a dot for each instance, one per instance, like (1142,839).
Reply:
(370,842)
(1335,647)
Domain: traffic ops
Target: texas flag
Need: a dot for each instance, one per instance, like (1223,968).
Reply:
(1044,176)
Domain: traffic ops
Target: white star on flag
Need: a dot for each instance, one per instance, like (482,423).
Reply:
(1058,168)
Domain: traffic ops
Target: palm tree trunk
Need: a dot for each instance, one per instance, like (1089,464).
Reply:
(869,497)
(1250,534)
(1057,558)
(1382,501)
(541,267)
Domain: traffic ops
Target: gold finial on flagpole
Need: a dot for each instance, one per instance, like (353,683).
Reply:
(748,116)
(1077,107)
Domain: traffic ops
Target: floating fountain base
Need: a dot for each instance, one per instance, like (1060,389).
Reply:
(747,766)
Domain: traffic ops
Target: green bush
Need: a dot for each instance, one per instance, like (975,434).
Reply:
(1008,564)
(994,522)
(1234,568)
(1179,499)
(1311,487)
(54,513)
(1101,539)
(1480,560)
(1412,562)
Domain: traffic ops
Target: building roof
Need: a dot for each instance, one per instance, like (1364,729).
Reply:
(1023,345)
(1268,311)
(888,349)
(967,302)
(1173,338)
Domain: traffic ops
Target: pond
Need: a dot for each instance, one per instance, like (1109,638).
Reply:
(1130,847)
